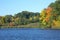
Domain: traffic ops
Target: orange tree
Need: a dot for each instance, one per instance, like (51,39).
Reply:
(46,17)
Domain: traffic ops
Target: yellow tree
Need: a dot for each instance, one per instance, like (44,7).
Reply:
(42,17)
(1,20)
(56,23)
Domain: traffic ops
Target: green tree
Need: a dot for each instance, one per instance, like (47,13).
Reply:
(8,18)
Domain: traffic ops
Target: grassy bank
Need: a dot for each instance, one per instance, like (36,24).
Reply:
(31,25)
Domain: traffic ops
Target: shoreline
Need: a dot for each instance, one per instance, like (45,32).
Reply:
(31,28)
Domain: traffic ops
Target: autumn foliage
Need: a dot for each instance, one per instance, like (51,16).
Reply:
(48,17)
(45,15)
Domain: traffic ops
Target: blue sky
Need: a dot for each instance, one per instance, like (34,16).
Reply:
(12,7)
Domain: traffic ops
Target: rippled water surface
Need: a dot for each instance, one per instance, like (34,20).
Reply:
(29,34)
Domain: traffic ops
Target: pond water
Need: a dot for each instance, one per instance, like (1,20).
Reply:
(29,34)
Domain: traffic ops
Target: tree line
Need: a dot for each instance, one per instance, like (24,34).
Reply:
(21,18)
